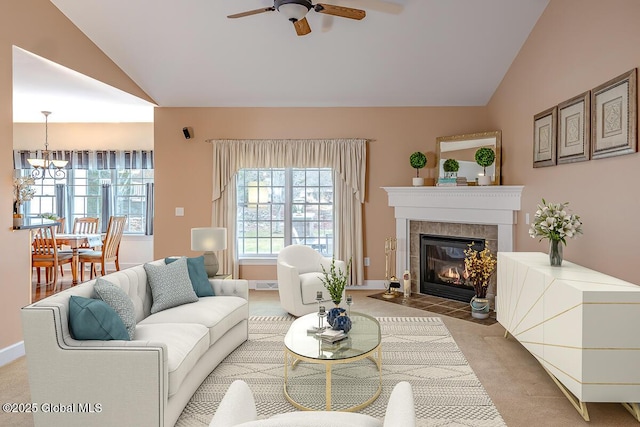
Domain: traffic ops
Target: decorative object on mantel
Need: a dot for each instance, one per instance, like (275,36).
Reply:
(418,160)
(462,148)
(451,178)
(335,280)
(553,222)
(391,281)
(478,268)
(22,192)
(451,168)
(485,157)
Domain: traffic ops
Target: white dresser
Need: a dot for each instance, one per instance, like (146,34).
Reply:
(582,326)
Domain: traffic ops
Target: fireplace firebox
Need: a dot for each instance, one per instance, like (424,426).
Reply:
(442,266)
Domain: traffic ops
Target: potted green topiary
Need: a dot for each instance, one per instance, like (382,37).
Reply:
(451,167)
(418,160)
(485,157)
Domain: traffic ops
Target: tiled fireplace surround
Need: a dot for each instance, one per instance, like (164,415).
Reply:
(478,212)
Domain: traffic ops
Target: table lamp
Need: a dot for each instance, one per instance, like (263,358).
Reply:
(209,239)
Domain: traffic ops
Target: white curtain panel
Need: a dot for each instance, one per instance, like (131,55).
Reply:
(347,158)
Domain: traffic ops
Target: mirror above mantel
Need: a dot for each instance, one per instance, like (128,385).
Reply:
(463,148)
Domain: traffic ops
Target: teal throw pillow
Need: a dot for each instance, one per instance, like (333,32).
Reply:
(119,301)
(170,285)
(197,274)
(93,319)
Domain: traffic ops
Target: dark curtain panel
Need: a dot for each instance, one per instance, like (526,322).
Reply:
(106,207)
(60,190)
(148,230)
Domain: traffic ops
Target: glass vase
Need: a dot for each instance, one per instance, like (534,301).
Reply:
(555,252)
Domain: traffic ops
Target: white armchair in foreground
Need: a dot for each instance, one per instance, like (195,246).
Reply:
(237,408)
(299,272)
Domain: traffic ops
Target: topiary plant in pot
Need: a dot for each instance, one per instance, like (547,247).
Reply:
(485,157)
(451,167)
(417,161)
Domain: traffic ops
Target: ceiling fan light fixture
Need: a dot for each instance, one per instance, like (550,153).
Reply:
(293,11)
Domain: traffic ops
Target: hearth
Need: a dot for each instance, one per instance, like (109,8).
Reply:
(442,266)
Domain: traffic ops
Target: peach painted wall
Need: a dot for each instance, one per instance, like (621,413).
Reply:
(36,26)
(85,136)
(575,46)
(183,168)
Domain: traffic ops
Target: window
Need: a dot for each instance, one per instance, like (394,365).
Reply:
(98,183)
(85,192)
(279,207)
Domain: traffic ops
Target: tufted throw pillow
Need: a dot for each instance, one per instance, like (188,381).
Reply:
(93,319)
(170,285)
(119,301)
(197,274)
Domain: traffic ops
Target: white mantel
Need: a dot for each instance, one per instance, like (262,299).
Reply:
(494,205)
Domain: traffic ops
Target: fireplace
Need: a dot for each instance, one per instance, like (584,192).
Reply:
(442,266)
(485,213)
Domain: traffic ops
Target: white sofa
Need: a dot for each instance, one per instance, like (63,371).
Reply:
(143,382)
(238,408)
(299,270)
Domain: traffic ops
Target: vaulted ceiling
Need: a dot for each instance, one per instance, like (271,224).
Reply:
(403,53)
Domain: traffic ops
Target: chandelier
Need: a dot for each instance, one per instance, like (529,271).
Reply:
(46,165)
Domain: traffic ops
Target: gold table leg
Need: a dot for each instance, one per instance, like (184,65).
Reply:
(633,408)
(327,387)
(580,406)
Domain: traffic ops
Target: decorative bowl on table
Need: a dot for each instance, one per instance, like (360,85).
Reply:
(334,313)
(342,323)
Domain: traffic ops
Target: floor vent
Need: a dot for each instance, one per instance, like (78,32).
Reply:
(266,285)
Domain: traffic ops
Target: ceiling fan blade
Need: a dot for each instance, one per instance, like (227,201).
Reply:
(252,12)
(345,12)
(302,27)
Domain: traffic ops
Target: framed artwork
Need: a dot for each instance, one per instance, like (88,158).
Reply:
(614,117)
(544,138)
(573,129)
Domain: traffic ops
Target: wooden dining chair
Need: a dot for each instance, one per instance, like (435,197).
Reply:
(86,225)
(45,254)
(109,250)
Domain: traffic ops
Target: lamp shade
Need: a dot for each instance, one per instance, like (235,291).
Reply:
(208,239)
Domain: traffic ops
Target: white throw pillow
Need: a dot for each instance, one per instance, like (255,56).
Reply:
(170,285)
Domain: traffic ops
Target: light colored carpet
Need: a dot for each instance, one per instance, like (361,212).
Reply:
(415,349)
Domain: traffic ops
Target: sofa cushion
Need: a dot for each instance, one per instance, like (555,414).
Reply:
(198,275)
(186,343)
(310,283)
(119,301)
(170,285)
(94,319)
(218,314)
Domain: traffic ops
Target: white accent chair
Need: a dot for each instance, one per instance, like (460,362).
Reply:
(299,270)
(238,408)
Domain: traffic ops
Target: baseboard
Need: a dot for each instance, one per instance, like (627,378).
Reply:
(11,353)
(369,285)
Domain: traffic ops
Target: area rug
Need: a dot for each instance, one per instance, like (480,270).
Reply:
(419,350)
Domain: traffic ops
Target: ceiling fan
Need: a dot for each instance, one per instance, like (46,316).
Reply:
(296,11)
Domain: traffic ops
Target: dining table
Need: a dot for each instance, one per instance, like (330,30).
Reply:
(76,241)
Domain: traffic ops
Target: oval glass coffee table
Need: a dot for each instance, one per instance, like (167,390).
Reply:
(363,342)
